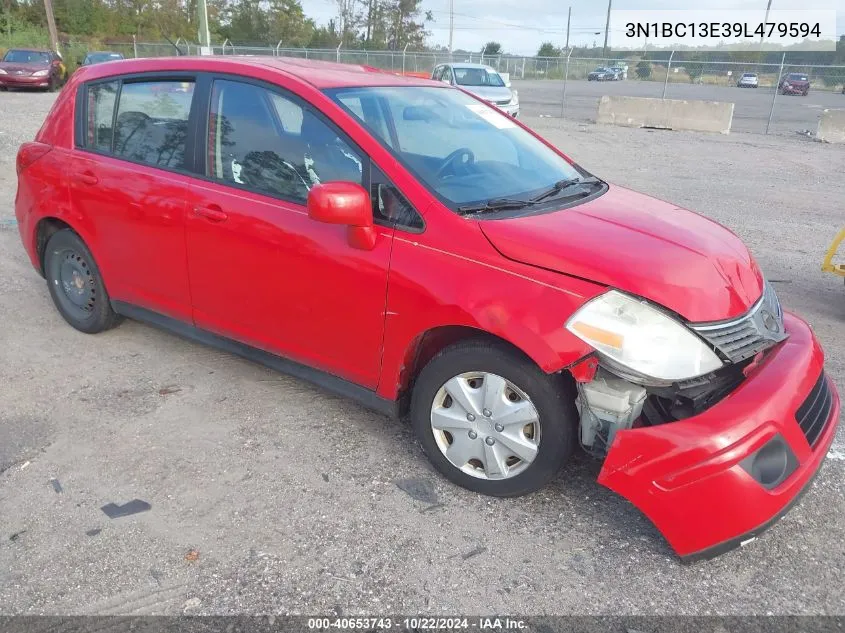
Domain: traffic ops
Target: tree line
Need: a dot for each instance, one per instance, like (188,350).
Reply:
(370,24)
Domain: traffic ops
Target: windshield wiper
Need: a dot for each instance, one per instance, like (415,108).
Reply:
(495,204)
(560,185)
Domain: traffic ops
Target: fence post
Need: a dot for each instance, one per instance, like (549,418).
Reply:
(134,46)
(523,68)
(775,96)
(565,79)
(337,51)
(404,50)
(668,70)
(277,48)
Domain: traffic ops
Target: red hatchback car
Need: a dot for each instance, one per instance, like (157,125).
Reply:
(401,242)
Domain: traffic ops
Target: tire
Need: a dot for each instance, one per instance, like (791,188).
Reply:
(76,285)
(478,363)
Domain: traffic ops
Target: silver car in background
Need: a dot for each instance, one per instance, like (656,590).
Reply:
(748,80)
(482,81)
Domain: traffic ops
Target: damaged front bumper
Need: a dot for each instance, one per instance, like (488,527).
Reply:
(712,481)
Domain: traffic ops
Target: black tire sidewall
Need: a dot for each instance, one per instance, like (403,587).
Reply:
(549,394)
(101,317)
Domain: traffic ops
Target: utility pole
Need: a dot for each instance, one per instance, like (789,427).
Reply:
(765,20)
(451,23)
(568,22)
(51,25)
(202,33)
(606,28)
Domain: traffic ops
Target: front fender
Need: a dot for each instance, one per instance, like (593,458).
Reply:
(431,287)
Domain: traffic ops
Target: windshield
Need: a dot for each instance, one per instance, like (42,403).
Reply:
(26,57)
(477,77)
(796,77)
(462,150)
(97,58)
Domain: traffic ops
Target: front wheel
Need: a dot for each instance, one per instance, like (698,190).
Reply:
(491,421)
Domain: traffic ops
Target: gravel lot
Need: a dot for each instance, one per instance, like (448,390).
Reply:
(292,500)
(751,110)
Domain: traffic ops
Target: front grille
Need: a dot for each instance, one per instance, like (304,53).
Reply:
(815,410)
(756,330)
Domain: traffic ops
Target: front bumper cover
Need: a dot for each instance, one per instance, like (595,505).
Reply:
(687,476)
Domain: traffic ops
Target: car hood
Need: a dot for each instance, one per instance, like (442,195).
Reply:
(647,247)
(30,68)
(489,93)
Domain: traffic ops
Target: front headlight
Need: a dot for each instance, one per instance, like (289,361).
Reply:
(631,333)
(2,72)
(514,97)
(41,73)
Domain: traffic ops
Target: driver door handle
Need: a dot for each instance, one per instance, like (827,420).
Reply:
(212,212)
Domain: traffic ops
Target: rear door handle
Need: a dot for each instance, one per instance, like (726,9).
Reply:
(212,213)
(87,178)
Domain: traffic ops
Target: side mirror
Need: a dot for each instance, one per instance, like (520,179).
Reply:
(344,203)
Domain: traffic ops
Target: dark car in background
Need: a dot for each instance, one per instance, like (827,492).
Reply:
(98,57)
(31,68)
(603,74)
(794,84)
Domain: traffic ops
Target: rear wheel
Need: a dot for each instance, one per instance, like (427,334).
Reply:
(491,421)
(76,285)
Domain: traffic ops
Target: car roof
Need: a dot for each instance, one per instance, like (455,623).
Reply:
(319,74)
(469,65)
(30,50)
(104,53)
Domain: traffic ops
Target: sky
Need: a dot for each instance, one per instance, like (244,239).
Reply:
(522,25)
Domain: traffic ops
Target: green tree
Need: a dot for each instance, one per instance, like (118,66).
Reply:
(492,48)
(644,69)
(694,68)
(547,49)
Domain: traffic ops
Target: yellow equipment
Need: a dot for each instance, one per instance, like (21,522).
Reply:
(827,265)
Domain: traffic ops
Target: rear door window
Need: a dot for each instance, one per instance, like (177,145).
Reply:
(151,126)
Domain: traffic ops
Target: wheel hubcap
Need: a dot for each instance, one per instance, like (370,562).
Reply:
(485,425)
(76,281)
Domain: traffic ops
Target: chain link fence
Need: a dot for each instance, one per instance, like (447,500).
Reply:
(768,111)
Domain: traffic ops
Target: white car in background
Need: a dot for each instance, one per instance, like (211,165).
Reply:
(748,80)
(482,81)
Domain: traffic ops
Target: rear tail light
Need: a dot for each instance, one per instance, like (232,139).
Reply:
(29,153)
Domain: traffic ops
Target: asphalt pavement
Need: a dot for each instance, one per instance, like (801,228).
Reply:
(792,113)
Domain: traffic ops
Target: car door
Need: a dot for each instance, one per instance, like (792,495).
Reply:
(261,271)
(129,181)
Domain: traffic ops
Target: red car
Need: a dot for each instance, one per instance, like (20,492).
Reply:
(25,68)
(404,243)
(794,84)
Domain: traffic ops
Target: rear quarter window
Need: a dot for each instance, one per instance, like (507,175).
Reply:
(101,101)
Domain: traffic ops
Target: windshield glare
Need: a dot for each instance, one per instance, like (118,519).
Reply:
(463,150)
(477,77)
(26,57)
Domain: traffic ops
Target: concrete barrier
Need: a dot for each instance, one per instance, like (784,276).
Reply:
(832,126)
(669,114)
